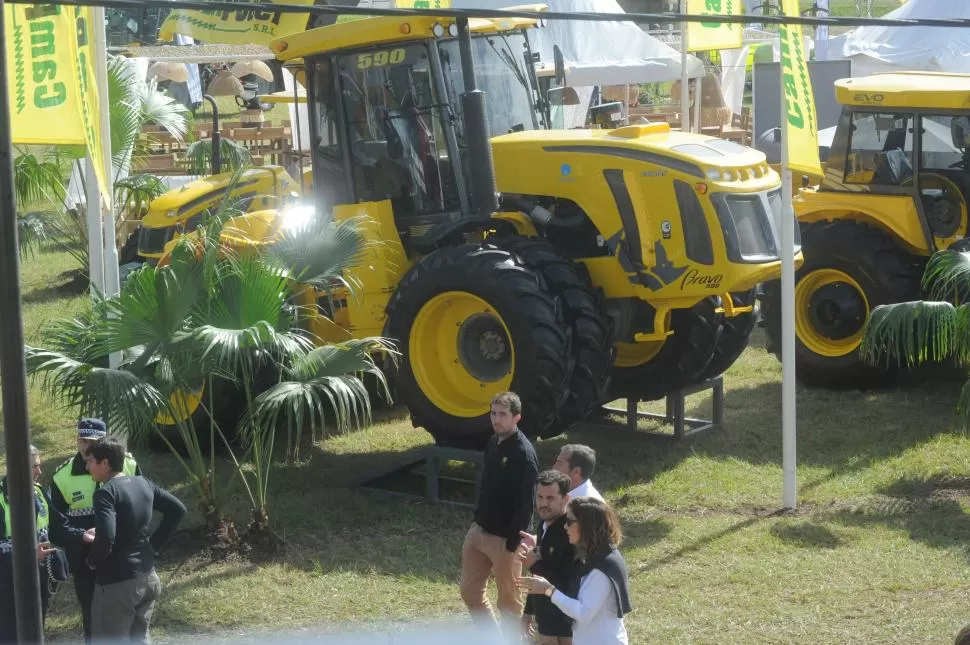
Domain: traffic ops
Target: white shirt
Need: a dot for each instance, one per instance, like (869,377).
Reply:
(586,489)
(594,612)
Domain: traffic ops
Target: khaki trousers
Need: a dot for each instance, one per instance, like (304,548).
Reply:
(555,640)
(482,556)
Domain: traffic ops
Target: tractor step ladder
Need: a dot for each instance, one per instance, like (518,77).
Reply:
(427,461)
(675,415)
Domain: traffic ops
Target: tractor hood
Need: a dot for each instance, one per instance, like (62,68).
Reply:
(183,202)
(705,157)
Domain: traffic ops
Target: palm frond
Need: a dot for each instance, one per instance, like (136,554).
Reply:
(153,308)
(911,333)
(126,402)
(35,181)
(319,252)
(34,230)
(134,193)
(947,277)
(198,156)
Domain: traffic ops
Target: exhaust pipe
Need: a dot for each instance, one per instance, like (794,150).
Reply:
(482,170)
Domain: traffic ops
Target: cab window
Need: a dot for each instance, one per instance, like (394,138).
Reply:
(880,149)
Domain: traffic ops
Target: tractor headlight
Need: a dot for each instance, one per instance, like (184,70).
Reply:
(728,175)
(172,213)
(438,30)
(453,30)
(713,174)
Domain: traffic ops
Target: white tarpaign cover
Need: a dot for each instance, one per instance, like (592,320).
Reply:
(600,53)
(934,49)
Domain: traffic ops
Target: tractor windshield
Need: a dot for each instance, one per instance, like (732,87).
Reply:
(503,70)
(396,136)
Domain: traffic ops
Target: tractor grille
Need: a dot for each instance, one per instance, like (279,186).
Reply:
(152,241)
(748,225)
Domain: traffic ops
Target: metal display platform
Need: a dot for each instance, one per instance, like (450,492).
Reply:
(675,414)
(428,463)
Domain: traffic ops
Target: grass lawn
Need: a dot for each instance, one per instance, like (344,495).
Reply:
(877,553)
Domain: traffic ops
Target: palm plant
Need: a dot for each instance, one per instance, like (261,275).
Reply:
(198,156)
(211,315)
(934,330)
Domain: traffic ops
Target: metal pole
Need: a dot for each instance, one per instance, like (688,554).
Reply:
(299,132)
(13,382)
(787,228)
(822,32)
(696,120)
(112,282)
(684,81)
(216,138)
(475,115)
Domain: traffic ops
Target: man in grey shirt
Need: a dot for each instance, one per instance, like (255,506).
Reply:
(123,552)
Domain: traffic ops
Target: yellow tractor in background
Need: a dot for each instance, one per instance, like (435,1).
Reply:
(895,189)
(571,266)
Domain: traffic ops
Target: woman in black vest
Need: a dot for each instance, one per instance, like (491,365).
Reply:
(598,596)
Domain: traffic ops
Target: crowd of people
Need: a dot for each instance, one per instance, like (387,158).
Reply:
(94,527)
(577,590)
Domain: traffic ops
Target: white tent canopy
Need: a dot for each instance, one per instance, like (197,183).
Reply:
(600,53)
(892,49)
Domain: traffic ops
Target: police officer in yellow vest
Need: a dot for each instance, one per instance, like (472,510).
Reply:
(72,493)
(51,526)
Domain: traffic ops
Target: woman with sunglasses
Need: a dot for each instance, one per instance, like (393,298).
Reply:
(598,596)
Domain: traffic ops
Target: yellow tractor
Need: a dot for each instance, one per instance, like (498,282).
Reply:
(571,266)
(895,189)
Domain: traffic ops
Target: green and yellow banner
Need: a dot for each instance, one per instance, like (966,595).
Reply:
(705,36)
(799,120)
(86,87)
(244,26)
(53,95)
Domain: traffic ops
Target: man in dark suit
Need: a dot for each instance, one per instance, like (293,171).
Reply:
(551,557)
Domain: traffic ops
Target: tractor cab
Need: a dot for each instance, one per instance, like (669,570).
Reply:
(388,119)
(904,136)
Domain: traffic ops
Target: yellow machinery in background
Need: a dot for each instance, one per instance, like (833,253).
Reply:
(571,266)
(895,190)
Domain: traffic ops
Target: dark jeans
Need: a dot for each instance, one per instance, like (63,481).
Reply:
(84,578)
(8,611)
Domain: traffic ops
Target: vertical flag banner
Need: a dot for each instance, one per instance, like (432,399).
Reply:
(244,26)
(86,91)
(799,120)
(41,68)
(705,36)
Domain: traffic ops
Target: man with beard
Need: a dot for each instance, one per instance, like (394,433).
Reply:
(552,558)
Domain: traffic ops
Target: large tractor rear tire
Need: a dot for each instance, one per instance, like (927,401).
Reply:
(472,321)
(849,269)
(592,329)
(734,336)
(648,372)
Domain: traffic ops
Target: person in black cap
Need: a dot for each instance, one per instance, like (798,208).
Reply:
(72,493)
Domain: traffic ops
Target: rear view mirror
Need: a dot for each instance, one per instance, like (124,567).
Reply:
(560,66)
(960,131)
(563,96)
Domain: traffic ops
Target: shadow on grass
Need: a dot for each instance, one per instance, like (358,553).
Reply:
(808,535)
(841,431)
(67,285)
(928,510)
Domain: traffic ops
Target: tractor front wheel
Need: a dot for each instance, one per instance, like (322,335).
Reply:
(472,321)
(849,269)
(648,371)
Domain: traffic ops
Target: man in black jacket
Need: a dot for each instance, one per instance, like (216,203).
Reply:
(552,558)
(123,553)
(506,502)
